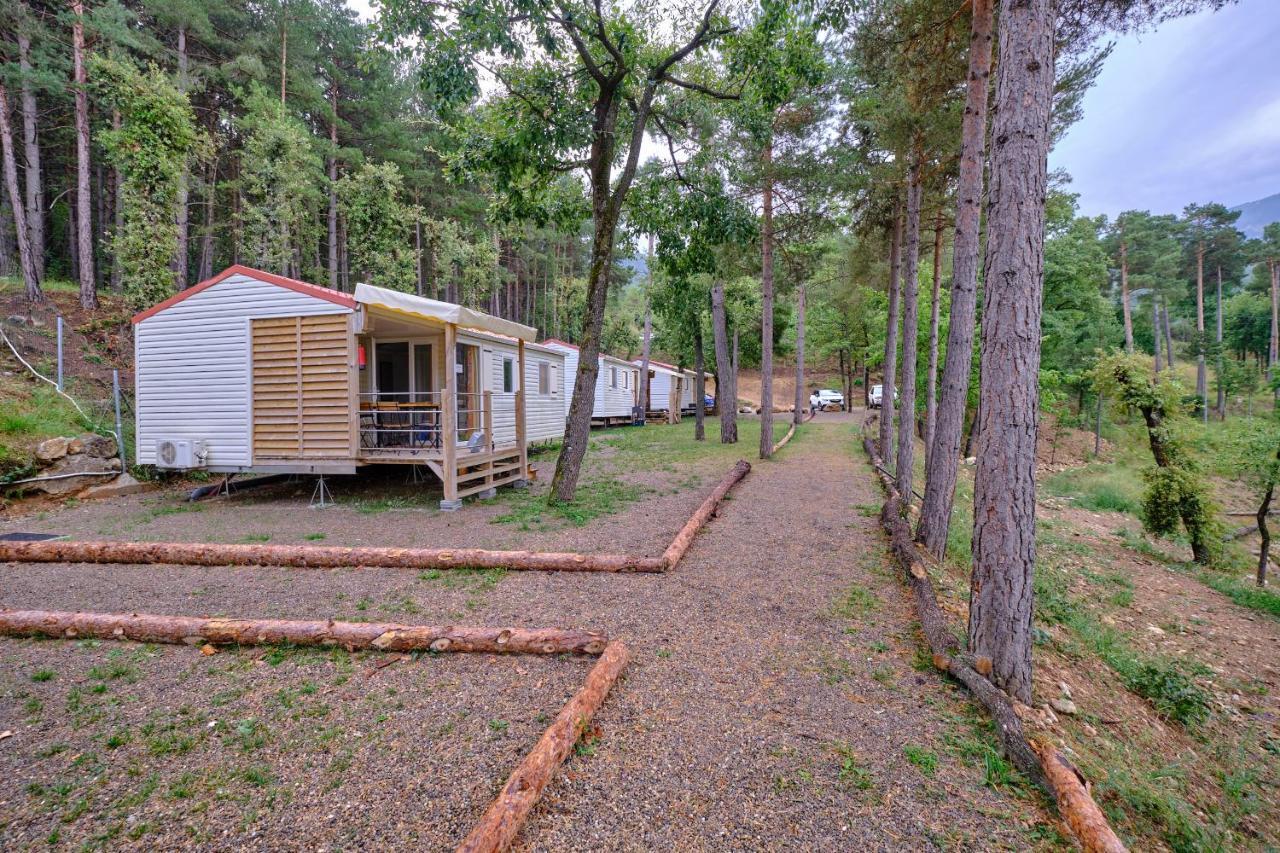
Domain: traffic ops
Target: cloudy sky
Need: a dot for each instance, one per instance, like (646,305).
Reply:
(1188,113)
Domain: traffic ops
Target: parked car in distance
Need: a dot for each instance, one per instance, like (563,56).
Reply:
(877,396)
(828,399)
(708,402)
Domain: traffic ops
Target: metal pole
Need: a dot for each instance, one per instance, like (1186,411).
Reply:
(115,393)
(59,352)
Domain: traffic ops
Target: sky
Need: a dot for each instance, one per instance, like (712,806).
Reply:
(1188,113)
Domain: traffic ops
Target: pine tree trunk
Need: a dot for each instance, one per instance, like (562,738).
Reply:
(1156,335)
(944,456)
(910,333)
(1202,380)
(9,266)
(646,341)
(333,187)
(181,252)
(21,231)
(931,386)
(117,211)
(206,239)
(1004,548)
(726,402)
(1222,391)
(34,209)
(699,384)
(887,403)
(84,216)
(766,305)
(1274,353)
(1168,331)
(802,399)
(1264,547)
(1124,297)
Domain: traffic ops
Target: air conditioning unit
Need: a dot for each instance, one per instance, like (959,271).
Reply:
(180,453)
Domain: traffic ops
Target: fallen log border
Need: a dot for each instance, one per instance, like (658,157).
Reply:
(1039,761)
(380,636)
(330,557)
(710,505)
(503,819)
(501,822)
(782,442)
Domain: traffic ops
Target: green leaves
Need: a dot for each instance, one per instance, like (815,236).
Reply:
(378,223)
(157,135)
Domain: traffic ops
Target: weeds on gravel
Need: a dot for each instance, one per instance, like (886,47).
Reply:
(1167,683)
(43,675)
(924,760)
(855,602)
(851,773)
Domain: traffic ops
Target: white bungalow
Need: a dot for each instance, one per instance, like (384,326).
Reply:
(251,371)
(617,384)
(667,389)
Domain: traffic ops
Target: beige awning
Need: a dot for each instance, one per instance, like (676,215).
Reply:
(445,312)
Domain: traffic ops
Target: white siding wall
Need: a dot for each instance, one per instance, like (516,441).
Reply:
(687,397)
(544,414)
(192,370)
(660,387)
(615,402)
(569,375)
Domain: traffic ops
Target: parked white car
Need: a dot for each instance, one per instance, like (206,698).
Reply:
(877,396)
(826,400)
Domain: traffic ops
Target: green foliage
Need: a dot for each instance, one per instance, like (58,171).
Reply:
(157,135)
(281,179)
(378,222)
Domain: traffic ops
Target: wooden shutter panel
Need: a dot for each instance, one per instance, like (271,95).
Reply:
(301,388)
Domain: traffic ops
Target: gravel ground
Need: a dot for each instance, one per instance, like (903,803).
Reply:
(774,700)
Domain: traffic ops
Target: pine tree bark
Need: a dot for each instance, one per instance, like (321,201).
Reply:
(1124,296)
(1222,391)
(1264,547)
(699,384)
(910,332)
(944,456)
(1202,382)
(84,216)
(931,374)
(206,239)
(802,399)
(21,231)
(647,340)
(1168,331)
(31,149)
(766,305)
(181,252)
(725,401)
(1156,335)
(1274,353)
(891,342)
(1004,548)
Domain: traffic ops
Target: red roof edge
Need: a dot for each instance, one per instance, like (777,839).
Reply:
(559,343)
(239,269)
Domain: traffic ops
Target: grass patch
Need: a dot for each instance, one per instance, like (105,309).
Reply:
(593,499)
(855,602)
(1109,488)
(924,760)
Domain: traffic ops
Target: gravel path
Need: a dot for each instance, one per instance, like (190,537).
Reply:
(773,701)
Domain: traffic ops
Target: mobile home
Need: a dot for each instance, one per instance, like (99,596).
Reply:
(667,389)
(617,384)
(253,371)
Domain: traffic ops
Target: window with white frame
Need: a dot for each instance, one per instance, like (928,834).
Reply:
(613,377)
(544,378)
(508,376)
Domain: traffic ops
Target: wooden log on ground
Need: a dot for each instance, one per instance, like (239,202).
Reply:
(1076,805)
(195,630)
(1042,763)
(783,441)
(318,557)
(680,544)
(501,822)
